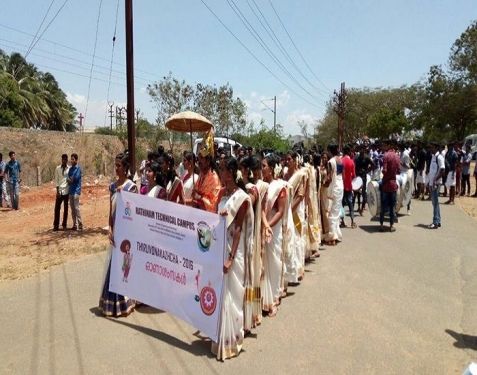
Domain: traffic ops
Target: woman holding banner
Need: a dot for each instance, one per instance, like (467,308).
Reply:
(112,304)
(276,212)
(236,206)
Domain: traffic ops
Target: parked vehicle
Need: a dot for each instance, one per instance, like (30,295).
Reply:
(227,143)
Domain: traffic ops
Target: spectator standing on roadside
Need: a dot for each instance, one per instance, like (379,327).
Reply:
(74,182)
(450,166)
(436,172)
(3,185)
(62,189)
(12,175)
(466,159)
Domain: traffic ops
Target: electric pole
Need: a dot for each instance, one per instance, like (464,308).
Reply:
(130,85)
(81,117)
(275,114)
(340,107)
(274,110)
(110,111)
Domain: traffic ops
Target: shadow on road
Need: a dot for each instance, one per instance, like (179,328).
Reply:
(370,228)
(422,226)
(463,341)
(50,237)
(198,347)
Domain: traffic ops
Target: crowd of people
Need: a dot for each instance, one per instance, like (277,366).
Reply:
(280,209)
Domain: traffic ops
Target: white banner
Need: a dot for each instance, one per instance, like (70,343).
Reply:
(171,257)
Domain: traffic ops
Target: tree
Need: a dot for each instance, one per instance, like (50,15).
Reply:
(463,56)
(30,98)
(215,103)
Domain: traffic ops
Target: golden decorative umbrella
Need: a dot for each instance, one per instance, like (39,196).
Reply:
(188,122)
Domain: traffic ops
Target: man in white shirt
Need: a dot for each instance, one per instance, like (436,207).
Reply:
(62,192)
(436,172)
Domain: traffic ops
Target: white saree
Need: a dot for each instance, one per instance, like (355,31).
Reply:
(273,278)
(295,265)
(313,238)
(253,294)
(335,196)
(231,332)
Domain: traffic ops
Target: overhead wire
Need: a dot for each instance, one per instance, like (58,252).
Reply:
(271,33)
(296,48)
(92,61)
(111,64)
(13,45)
(256,58)
(267,49)
(47,27)
(73,49)
(39,27)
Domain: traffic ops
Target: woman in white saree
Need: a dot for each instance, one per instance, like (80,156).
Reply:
(276,247)
(236,207)
(296,178)
(250,168)
(335,195)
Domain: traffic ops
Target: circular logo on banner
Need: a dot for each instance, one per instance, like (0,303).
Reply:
(204,236)
(208,300)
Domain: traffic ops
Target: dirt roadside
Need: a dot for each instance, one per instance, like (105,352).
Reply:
(27,243)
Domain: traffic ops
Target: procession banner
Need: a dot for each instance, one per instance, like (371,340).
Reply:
(171,257)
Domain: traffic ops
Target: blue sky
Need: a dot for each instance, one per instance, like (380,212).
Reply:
(369,43)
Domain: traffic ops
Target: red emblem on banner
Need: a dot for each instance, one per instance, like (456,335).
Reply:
(208,300)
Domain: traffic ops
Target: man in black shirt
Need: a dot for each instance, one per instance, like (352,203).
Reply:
(363,165)
(421,166)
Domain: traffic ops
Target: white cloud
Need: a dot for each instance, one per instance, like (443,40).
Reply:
(294,117)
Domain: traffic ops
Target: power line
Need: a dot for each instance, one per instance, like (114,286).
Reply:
(112,57)
(267,27)
(46,28)
(92,61)
(296,48)
(13,45)
(257,37)
(73,49)
(39,27)
(255,57)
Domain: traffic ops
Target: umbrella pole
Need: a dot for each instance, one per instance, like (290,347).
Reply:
(192,150)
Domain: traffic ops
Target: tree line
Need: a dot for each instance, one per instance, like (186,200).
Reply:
(440,107)
(30,98)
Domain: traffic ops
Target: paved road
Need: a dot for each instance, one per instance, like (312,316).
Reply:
(384,303)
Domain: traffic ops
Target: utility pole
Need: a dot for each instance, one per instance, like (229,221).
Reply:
(340,107)
(130,85)
(81,117)
(138,112)
(275,114)
(274,110)
(111,116)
